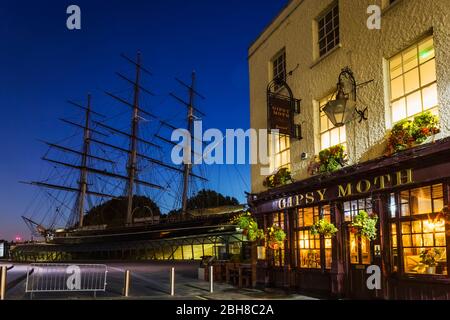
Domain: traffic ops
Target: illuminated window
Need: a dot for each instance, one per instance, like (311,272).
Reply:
(359,246)
(330,135)
(279,254)
(281,154)
(421,232)
(413,81)
(313,251)
(328,25)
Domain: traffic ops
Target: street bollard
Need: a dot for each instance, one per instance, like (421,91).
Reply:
(126,285)
(3,271)
(172,282)
(211,279)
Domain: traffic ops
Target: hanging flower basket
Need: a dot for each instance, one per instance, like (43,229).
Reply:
(275,237)
(274,245)
(324,228)
(365,225)
(248,226)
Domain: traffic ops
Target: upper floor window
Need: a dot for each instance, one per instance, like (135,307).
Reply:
(413,81)
(330,135)
(279,66)
(328,25)
(281,154)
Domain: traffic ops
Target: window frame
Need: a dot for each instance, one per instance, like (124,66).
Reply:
(397,219)
(280,152)
(434,109)
(322,52)
(297,229)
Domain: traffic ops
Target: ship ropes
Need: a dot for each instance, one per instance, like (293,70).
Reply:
(110,190)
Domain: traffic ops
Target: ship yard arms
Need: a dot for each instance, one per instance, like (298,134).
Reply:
(131,178)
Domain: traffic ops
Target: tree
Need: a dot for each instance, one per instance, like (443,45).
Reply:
(114,212)
(207,199)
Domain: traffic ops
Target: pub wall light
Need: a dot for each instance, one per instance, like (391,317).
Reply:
(343,109)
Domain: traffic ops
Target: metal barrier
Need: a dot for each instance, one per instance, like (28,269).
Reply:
(66,278)
(126,283)
(172,281)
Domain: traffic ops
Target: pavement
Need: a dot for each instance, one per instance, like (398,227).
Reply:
(149,281)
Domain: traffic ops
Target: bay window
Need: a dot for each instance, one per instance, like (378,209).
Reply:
(418,233)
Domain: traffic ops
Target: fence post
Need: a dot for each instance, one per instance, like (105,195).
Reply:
(211,279)
(172,281)
(126,285)
(3,271)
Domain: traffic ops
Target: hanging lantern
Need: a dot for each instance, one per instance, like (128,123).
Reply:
(342,110)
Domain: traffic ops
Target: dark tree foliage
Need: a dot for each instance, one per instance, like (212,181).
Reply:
(114,212)
(208,199)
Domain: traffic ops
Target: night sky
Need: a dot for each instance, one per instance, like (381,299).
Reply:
(43,64)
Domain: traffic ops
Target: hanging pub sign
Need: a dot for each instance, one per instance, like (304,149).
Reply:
(282,108)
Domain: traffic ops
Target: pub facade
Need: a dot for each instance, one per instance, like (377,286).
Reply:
(389,80)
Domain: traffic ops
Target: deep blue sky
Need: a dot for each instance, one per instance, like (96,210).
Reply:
(42,64)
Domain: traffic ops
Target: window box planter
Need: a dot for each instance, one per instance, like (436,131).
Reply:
(281,178)
(329,160)
(410,133)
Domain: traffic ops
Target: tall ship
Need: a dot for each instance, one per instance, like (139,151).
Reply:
(105,193)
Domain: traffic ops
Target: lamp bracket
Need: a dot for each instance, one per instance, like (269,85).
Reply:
(363,114)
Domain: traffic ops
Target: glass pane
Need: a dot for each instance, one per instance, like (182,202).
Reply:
(405,210)
(396,66)
(410,59)
(300,218)
(406,239)
(440,239)
(365,251)
(325,140)
(430,98)
(399,110)
(428,72)
(417,227)
(438,205)
(426,50)
(397,89)
(421,201)
(308,215)
(323,123)
(334,137)
(428,240)
(406,228)
(414,103)
(412,80)
(417,240)
(343,134)
(354,258)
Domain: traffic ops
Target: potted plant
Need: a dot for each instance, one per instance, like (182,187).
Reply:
(275,237)
(408,133)
(430,258)
(282,177)
(324,228)
(249,227)
(329,160)
(365,225)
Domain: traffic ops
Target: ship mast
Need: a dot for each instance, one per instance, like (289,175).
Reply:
(188,166)
(84,158)
(191,110)
(132,162)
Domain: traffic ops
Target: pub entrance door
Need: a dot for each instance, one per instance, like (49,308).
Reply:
(360,257)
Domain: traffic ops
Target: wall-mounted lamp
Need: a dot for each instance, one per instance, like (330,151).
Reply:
(343,109)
